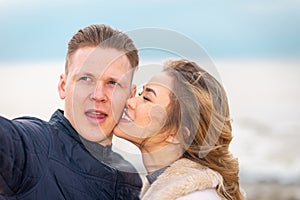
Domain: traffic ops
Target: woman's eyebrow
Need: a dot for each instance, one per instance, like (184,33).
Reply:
(147,89)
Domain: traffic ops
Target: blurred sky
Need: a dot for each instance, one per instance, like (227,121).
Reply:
(40,30)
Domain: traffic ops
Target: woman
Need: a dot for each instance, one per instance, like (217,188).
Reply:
(182,126)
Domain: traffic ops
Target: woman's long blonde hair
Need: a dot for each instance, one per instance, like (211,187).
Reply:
(202,105)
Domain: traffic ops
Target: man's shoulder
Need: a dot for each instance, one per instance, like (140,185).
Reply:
(31,124)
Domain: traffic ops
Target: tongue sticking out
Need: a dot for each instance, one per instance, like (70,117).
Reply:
(96,116)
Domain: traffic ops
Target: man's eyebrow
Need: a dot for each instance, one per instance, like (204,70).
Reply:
(147,89)
(82,73)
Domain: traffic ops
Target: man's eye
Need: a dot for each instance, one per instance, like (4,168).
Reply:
(85,78)
(113,83)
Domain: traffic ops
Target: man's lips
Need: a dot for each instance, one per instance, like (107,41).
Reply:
(96,115)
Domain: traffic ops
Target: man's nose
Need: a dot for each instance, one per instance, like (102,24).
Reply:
(99,94)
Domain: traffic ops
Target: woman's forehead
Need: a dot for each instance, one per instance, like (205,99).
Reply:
(162,79)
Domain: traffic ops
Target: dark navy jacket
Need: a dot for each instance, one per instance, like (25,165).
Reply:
(48,161)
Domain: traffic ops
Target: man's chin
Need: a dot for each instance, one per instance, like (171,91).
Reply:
(95,136)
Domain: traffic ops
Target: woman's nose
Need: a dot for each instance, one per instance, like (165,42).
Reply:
(131,103)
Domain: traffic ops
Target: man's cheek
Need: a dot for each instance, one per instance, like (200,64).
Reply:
(120,96)
(118,104)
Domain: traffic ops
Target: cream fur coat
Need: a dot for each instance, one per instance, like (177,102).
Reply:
(181,178)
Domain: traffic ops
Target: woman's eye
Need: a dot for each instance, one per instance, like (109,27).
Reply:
(146,98)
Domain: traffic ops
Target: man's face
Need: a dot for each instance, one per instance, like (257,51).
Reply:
(95,91)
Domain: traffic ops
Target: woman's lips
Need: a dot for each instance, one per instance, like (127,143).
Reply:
(125,117)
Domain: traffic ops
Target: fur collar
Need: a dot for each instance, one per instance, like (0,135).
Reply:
(181,178)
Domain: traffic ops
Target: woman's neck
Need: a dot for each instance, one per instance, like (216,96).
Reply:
(155,160)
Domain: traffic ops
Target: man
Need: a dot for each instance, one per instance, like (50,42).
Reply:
(70,156)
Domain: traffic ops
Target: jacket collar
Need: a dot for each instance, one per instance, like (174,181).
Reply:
(58,119)
(97,150)
(101,153)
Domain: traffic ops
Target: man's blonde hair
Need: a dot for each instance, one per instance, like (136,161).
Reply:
(100,35)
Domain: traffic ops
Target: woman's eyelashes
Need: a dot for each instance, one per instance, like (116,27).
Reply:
(144,97)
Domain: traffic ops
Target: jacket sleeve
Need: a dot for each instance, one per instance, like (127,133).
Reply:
(12,156)
(18,154)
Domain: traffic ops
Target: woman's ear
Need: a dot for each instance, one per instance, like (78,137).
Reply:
(173,139)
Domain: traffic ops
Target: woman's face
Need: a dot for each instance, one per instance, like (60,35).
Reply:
(146,114)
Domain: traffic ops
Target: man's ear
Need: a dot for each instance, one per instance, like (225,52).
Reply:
(133,91)
(61,86)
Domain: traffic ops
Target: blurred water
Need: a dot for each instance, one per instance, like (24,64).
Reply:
(264,100)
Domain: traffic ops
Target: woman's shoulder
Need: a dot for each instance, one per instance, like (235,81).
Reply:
(208,194)
(199,174)
(182,178)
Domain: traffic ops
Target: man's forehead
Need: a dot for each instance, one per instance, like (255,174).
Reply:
(106,56)
(99,60)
